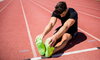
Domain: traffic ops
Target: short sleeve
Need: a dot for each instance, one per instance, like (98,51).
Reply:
(73,15)
(54,15)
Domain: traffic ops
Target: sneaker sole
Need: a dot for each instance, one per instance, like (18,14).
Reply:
(49,50)
(40,46)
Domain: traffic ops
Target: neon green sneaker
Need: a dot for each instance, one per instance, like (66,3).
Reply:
(40,45)
(49,50)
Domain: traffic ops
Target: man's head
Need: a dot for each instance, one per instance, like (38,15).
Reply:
(61,9)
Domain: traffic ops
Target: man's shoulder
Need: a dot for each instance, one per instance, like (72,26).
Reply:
(54,15)
(71,9)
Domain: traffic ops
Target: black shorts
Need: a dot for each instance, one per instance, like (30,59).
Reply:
(73,34)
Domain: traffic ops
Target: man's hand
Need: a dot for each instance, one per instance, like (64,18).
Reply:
(52,41)
(41,35)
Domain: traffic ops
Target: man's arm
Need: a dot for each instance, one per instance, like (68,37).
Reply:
(61,31)
(64,28)
(50,25)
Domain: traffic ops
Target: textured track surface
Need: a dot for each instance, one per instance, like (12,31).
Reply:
(22,20)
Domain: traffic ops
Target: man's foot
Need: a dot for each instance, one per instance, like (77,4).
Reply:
(40,45)
(49,50)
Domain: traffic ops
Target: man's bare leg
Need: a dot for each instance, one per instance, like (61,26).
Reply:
(60,45)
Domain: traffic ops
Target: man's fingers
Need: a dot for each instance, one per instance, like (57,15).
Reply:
(50,41)
(51,44)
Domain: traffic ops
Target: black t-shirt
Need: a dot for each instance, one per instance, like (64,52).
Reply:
(71,14)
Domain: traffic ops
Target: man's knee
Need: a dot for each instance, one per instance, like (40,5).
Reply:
(66,37)
(63,41)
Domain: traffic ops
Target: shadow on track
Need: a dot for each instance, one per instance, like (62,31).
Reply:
(80,37)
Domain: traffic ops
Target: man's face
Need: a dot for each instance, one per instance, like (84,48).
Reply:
(64,13)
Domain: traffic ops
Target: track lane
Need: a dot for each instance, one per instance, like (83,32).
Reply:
(37,21)
(93,12)
(13,33)
(28,30)
(80,44)
(3,3)
(89,20)
(91,3)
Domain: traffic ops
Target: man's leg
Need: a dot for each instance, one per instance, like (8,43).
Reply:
(60,45)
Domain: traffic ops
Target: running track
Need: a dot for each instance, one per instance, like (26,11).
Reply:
(22,20)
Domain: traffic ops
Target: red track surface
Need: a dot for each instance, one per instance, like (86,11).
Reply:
(14,39)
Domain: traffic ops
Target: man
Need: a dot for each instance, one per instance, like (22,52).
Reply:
(65,32)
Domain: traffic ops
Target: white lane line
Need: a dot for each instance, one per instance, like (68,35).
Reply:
(84,6)
(89,15)
(77,11)
(5,6)
(73,4)
(69,53)
(89,34)
(23,51)
(40,6)
(1,0)
(75,52)
(86,3)
(28,30)
(91,40)
(78,27)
